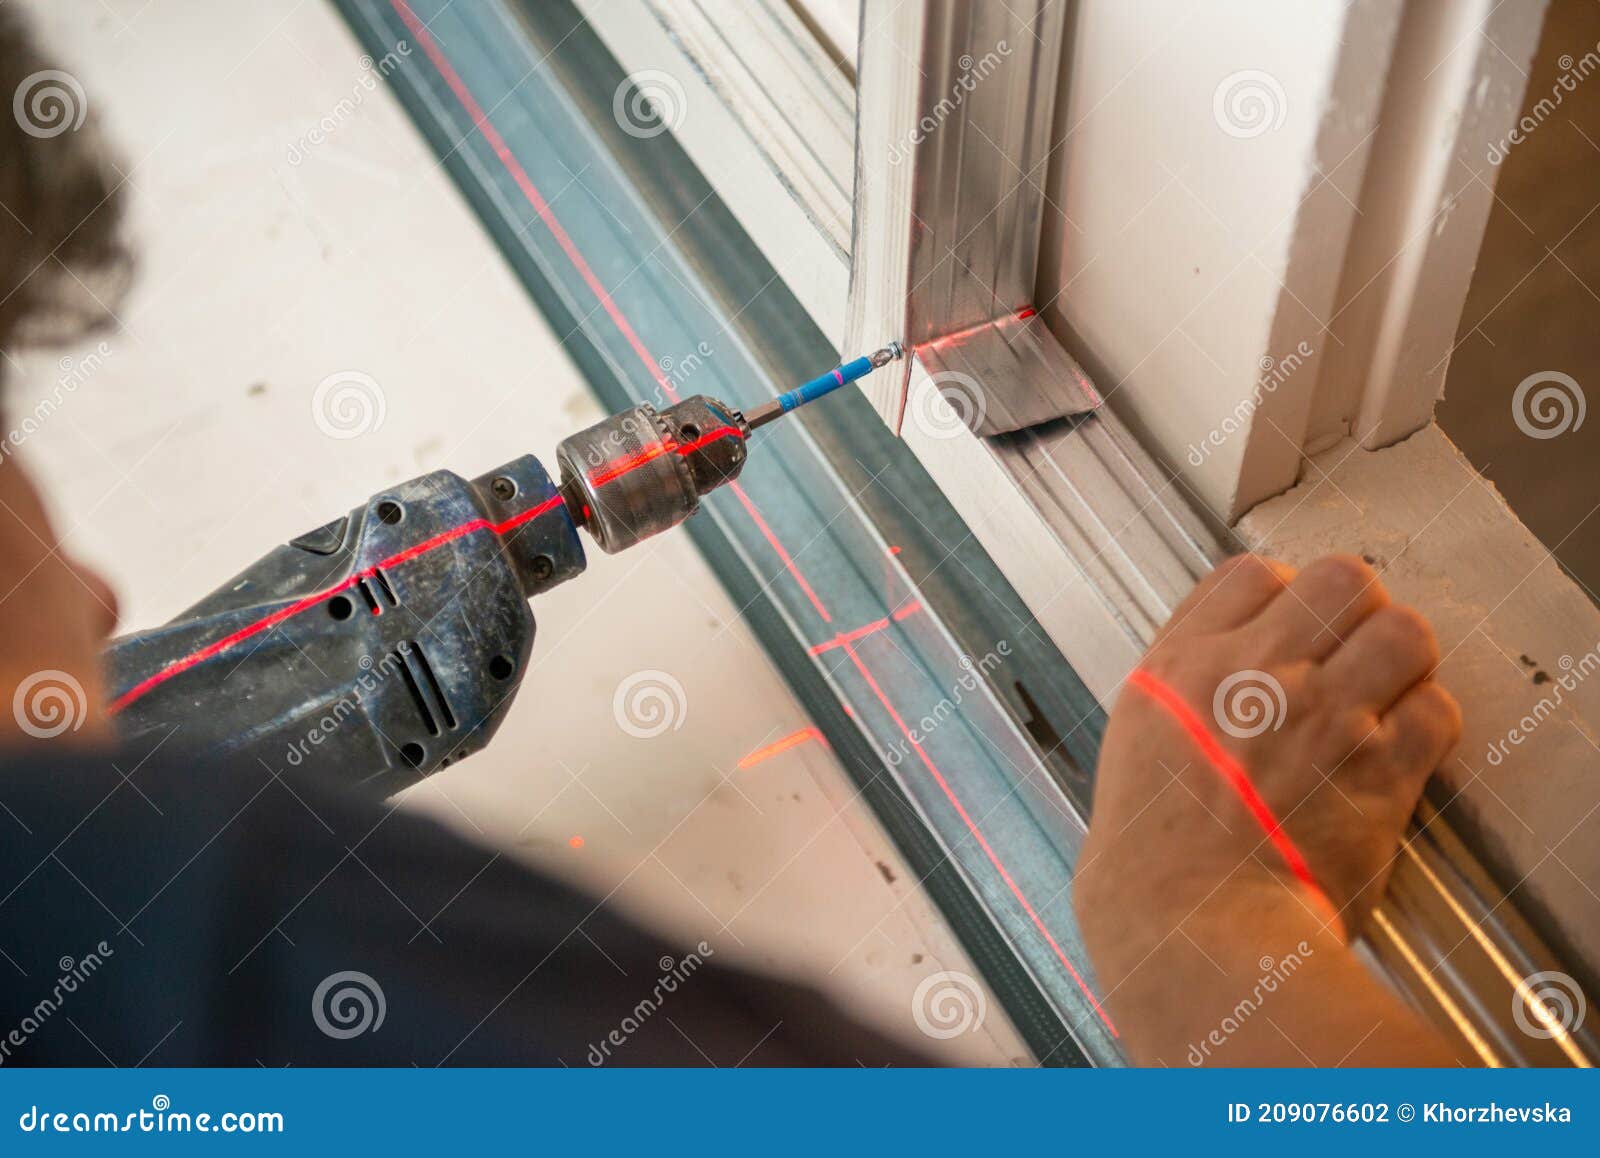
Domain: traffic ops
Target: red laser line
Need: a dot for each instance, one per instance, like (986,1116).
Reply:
(1233,774)
(481,121)
(848,637)
(249,631)
(867,629)
(788,563)
(602,475)
(766,752)
(983,843)
(605,474)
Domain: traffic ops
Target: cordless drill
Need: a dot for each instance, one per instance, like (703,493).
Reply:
(389,643)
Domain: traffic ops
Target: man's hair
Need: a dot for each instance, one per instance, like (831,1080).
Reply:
(63,263)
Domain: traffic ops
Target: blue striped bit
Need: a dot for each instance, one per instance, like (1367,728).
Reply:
(825,384)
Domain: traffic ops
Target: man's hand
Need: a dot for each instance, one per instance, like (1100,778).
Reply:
(1257,775)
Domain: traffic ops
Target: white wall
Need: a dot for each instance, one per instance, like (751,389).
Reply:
(1210,158)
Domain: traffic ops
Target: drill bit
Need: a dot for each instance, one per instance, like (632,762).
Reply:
(827,383)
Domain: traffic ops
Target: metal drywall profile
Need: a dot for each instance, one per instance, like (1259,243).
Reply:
(950,132)
(1087,530)
(791,97)
(764,147)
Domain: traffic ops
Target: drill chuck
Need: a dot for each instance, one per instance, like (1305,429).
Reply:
(640,472)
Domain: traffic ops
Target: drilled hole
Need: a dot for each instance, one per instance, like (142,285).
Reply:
(688,432)
(414,754)
(340,608)
(390,512)
(501,667)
